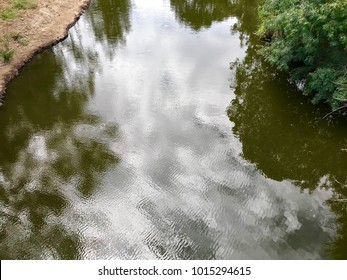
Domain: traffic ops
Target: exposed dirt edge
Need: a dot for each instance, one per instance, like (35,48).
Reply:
(12,69)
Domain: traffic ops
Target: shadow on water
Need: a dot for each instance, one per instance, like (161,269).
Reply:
(51,147)
(287,137)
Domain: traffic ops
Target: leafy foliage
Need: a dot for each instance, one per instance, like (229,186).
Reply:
(308,38)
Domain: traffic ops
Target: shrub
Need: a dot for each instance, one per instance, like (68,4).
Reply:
(308,38)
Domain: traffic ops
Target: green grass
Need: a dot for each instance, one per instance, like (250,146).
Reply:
(8,14)
(24,4)
(6,50)
(19,38)
(7,55)
(23,42)
(11,9)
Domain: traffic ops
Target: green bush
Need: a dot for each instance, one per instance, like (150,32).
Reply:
(308,38)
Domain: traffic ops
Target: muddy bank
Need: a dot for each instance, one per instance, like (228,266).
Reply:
(33,30)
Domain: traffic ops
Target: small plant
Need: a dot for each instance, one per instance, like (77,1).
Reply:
(8,14)
(19,38)
(23,42)
(5,50)
(7,55)
(16,36)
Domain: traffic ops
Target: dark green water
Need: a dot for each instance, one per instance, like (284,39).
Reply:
(156,131)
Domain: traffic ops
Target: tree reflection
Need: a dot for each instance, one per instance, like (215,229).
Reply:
(247,23)
(110,20)
(281,132)
(199,14)
(286,137)
(52,149)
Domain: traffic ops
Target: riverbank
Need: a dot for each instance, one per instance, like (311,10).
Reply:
(27,30)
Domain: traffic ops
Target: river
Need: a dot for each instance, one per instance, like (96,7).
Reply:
(156,131)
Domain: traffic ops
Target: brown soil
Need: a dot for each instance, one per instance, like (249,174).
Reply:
(41,27)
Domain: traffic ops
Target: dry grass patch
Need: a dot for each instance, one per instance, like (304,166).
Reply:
(10,9)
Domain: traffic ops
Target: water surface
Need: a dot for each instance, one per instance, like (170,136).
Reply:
(156,131)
